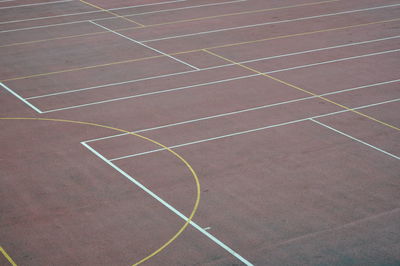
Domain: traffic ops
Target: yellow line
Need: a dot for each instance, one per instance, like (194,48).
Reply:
(198,50)
(303,90)
(193,173)
(10,260)
(172,22)
(112,13)
(83,68)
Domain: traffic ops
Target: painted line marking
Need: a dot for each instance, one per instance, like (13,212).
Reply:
(353,138)
(163,202)
(113,17)
(100,19)
(21,98)
(201,49)
(250,130)
(110,12)
(306,91)
(205,84)
(10,260)
(245,110)
(334,229)
(272,23)
(214,67)
(37,4)
(187,20)
(145,45)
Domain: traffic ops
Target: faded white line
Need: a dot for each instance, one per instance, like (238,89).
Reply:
(271,23)
(214,67)
(145,45)
(353,138)
(37,4)
(250,131)
(113,9)
(100,19)
(167,205)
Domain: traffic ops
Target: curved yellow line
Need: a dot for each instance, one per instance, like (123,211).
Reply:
(174,237)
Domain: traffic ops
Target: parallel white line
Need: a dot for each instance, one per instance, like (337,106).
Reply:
(113,17)
(21,98)
(247,110)
(210,83)
(44,26)
(353,138)
(271,23)
(214,67)
(167,205)
(37,4)
(145,45)
(249,131)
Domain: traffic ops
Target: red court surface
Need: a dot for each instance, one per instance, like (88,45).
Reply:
(199,132)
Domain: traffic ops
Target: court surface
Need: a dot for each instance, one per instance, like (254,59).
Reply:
(200,132)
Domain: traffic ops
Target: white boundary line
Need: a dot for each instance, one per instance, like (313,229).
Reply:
(234,28)
(250,131)
(271,23)
(107,18)
(246,110)
(145,45)
(210,83)
(22,99)
(36,4)
(353,138)
(214,67)
(167,205)
(113,9)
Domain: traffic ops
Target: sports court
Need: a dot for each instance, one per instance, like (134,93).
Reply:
(200,132)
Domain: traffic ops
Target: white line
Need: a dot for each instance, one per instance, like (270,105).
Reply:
(214,67)
(246,110)
(44,26)
(97,11)
(334,61)
(163,202)
(209,83)
(249,131)
(271,23)
(112,17)
(178,8)
(19,97)
(142,44)
(37,4)
(353,138)
(146,94)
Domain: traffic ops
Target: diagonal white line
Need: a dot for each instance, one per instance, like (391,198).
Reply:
(21,98)
(166,204)
(353,138)
(140,43)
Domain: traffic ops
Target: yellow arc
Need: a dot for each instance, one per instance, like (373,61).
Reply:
(194,175)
